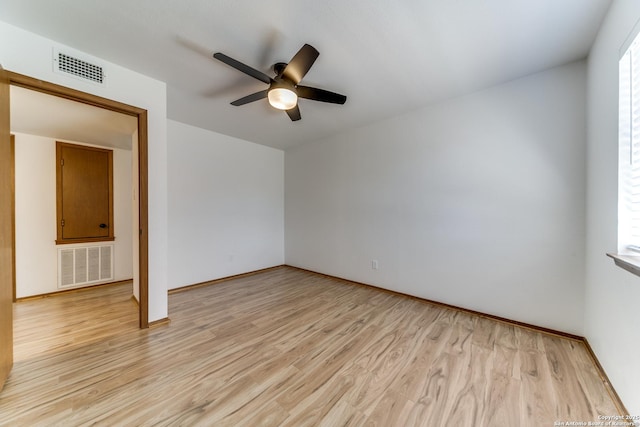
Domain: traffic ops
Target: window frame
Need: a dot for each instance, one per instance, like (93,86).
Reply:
(629,146)
(627,255)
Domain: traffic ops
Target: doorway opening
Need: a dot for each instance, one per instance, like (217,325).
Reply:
(140,169)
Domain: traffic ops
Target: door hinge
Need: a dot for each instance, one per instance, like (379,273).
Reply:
(61,162)
(62,223)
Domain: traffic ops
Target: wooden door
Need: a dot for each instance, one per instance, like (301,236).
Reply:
(6,235)
(84,193)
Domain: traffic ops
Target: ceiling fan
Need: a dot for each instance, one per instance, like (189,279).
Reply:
(285,89)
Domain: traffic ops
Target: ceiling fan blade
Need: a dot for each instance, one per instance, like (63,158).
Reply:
(251,98)
(242,67)
(300,63)
(320,95)
(294,114)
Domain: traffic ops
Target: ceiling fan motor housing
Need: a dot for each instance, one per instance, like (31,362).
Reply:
(279,67)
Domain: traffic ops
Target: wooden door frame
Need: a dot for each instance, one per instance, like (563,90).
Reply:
(27,82)
(12,151)
(6,234)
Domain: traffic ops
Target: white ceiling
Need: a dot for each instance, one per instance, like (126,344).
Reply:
(40,114)
(388,57)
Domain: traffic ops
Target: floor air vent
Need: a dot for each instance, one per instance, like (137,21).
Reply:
(77,67)
(85,266)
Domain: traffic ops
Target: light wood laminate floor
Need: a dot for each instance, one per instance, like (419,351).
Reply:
(292,348)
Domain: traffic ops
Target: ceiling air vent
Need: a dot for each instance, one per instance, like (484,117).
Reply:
(81,68)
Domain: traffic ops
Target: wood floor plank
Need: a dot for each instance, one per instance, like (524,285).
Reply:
(428,348)
(286,347)
(537,393)
(318,405)
(391,410)
(265,402)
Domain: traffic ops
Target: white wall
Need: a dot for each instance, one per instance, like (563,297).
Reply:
(36,251)
(30,54)
(476,202)
(612,294)
(226,205)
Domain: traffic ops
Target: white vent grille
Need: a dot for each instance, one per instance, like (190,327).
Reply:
(85,266)
(79,66)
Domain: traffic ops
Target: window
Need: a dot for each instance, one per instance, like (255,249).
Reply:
(84,193)
(629,150)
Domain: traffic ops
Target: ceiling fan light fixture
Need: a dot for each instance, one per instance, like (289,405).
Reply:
(282,98)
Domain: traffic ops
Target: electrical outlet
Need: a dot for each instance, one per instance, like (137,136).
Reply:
(374,264)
